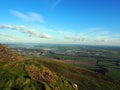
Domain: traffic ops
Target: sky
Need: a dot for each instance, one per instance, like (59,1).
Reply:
(88,22)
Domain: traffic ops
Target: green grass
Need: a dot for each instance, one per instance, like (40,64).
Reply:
(15,76)
(34,73)
(113,69)
(114,73)
(67,57)
(85,79)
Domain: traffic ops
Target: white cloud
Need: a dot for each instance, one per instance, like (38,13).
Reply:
(30,16)
(25,30)
(103,32)
(81,39)
(12,27)
(90,38)
(100,36)
(33,33)
(95,37)
(97,31)
(56,3)
(8,36)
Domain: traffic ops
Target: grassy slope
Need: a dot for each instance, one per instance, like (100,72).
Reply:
(44,74)
(19,73)
(85,79)
(28,75)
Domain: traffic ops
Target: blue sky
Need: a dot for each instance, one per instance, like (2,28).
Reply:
(94,22)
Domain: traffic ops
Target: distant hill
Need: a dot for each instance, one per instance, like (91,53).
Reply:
(20,73)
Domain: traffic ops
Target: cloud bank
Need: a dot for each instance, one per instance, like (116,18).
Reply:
(25,30)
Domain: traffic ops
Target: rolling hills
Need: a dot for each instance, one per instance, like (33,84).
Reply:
(22,73)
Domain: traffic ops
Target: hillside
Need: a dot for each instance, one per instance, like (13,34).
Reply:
(8,55)
(85,79)
(20,73)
